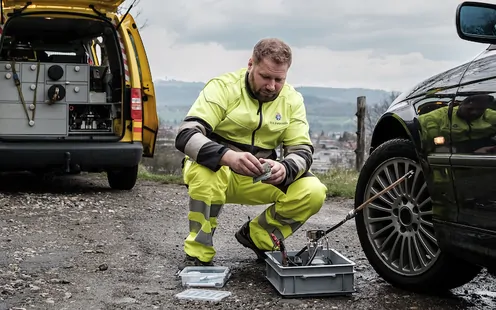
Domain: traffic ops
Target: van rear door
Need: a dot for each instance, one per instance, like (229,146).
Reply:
(149,104)
(109,5)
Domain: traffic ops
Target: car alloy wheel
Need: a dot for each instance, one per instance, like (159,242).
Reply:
(399,222)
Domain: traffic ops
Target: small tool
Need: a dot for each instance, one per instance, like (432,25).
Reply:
(354,212)
(265,175)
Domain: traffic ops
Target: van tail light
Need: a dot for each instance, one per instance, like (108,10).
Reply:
(136,104)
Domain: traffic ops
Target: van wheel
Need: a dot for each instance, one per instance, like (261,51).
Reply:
(396,230)
(123,179)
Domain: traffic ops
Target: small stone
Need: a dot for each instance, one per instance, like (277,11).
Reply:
(126,300)
(151,293)
(35,288)
(103,267)
(59,281)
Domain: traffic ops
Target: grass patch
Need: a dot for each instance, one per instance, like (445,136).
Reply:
(161,178)
(340,183)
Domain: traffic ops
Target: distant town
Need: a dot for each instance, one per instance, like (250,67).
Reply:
(332,149)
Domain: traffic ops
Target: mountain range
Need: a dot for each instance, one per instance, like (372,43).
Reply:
(328,109)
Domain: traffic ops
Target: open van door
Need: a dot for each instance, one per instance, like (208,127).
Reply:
(109,5)
(150,117)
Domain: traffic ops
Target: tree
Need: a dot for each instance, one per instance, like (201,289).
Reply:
(375,111)
(137,14)
(347,137)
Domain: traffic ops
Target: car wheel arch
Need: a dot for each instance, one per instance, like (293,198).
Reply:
(391,126)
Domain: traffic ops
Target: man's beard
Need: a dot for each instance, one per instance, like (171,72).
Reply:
(260,95)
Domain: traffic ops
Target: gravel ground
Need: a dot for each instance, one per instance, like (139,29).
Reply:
(72,243)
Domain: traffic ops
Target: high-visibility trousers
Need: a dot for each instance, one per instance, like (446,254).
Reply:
(209,191)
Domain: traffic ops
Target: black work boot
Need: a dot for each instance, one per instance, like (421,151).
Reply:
(193,261)
(243,237)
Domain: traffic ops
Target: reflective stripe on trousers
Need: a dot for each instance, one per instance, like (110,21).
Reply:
(209,191)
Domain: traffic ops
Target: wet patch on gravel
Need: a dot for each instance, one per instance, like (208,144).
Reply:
(72,243)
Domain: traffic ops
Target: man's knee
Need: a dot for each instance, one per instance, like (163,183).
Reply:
(205,184)
(310,191)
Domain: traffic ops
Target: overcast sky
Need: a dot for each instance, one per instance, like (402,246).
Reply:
(381,44)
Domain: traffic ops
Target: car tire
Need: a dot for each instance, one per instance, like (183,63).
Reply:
(440,272)
(123,179)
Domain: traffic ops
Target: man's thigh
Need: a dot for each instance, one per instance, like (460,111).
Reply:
(242,190)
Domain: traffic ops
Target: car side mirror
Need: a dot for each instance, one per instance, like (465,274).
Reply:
(476,22)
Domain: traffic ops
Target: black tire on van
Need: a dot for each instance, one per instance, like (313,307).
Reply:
(123,179)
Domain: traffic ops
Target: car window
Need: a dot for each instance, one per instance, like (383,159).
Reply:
(439,82)
(482,68)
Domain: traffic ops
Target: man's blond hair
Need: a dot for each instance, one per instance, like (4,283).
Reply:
(273,49)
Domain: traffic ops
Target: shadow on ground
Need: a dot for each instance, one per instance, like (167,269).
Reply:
(26,182)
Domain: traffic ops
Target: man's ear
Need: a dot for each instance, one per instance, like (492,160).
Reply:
(250,63)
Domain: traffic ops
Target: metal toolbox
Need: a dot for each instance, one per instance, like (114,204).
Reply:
(337,278)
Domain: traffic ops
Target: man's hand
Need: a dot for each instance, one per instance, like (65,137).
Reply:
(243,163)
(278,172)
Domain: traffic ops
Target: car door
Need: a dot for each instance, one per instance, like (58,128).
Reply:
(431,101)
(473,136)
(150,115)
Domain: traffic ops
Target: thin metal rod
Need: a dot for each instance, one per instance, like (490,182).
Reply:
(354,212)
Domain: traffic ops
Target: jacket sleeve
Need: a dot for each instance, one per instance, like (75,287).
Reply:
(298,148)
(204,115)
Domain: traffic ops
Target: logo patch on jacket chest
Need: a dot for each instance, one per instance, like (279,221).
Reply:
(278,120)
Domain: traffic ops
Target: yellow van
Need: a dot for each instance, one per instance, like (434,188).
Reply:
(76,91)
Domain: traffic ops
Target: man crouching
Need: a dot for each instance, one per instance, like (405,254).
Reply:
(231,130)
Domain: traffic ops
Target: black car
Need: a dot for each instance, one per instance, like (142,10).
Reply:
(436,230)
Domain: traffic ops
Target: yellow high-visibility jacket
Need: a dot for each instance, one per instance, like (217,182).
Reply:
(226,115)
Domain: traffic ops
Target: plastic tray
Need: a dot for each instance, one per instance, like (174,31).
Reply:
(205,276)
(205,295)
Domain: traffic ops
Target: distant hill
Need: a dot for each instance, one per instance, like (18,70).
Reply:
(328,109)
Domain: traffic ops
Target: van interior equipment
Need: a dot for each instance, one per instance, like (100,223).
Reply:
(51,86)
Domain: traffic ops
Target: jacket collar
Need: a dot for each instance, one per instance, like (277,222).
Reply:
(247,85)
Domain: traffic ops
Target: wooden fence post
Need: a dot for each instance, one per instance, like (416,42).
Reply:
(360,148)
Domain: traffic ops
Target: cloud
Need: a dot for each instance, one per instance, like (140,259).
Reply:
(316,66)
(387,26)
(378,44)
